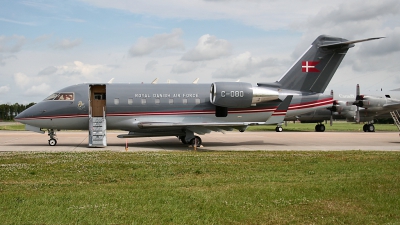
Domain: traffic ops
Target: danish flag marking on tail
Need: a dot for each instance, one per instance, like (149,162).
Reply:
(309,66)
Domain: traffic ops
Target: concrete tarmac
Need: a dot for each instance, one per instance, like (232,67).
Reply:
(12,141)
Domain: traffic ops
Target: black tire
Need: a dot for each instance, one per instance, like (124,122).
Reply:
(321,128)
(278,129)
(371,128)
(195,140)
(365,128)
(52,142)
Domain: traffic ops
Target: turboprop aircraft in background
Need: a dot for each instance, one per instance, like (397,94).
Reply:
(183,110)
(353,108)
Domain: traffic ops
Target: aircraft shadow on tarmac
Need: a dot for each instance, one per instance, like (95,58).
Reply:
(167,144)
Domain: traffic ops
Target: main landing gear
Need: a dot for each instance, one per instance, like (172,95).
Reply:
(369,127)
(320,127)
(278,129)
(53,137)
(191,139)
(196,140)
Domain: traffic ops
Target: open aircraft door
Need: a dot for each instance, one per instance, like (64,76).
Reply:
(97,116)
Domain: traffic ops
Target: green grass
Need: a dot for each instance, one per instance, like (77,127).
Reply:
(336,127)
(200,188)
(12,127)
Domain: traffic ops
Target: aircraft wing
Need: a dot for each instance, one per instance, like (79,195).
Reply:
(391,107)
(277,117)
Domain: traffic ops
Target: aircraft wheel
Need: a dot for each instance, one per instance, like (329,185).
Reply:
(317,127)
(321,128)
(52,142)
(196,140)
(371,128)
(365,128)
(278,129)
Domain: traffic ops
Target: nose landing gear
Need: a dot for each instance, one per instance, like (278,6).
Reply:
(53,137)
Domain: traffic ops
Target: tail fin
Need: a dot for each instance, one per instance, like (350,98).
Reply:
(315,68)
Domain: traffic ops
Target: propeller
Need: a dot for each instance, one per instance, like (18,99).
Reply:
(358,103)
(333,108)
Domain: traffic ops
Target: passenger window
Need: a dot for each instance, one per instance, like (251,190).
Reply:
(116,101)
(130,101)
(171,101)
(185,101)
(144,101)
(197,101)
(157,101)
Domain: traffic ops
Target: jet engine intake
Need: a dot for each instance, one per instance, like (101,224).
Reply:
(239,94)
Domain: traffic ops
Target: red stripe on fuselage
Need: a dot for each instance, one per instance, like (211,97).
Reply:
(322,102)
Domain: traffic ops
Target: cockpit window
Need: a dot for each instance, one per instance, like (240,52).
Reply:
(61,97)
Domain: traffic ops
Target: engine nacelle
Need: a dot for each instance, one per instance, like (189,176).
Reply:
(338,106)
(239,94)
(370,102)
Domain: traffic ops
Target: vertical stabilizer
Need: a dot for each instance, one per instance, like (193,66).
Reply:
(315,68)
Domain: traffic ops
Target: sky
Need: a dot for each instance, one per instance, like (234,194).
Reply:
(46,45)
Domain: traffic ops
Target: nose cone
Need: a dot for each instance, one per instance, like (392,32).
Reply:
(26,115)
(20,117)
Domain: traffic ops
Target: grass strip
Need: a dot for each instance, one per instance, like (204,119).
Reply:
(174,187)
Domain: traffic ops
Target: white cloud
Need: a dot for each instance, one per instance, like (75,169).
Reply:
(11,43)
(208,47)
(79,69)
(42,89)
(245,65)
(48,70)
(367,11)
(3,59)
(184,67)
(17,22)
(66,44)
(4,89)
(151,66)
(21,80)
(145,46)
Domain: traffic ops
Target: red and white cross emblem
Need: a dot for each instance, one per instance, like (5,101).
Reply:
(309,66)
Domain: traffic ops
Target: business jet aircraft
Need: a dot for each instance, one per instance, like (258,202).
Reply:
(183,110)
(353,108)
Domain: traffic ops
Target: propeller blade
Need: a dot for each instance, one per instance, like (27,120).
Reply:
(358,90)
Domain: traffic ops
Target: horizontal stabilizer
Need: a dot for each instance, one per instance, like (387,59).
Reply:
(340,44)
(279,114)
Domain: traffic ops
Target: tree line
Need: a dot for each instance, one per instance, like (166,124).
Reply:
(8,112)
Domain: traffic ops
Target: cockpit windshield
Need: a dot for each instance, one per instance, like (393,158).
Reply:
(61,97)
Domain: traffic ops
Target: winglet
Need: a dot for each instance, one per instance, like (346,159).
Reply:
(279,114)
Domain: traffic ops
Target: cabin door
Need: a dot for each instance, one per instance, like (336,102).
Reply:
(97,116)
(97,100)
